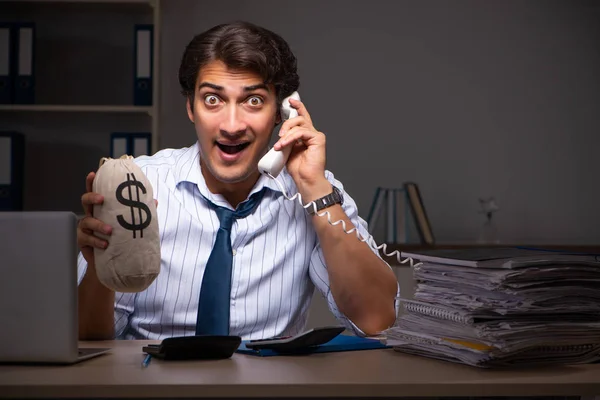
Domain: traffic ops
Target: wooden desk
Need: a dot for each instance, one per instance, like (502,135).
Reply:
(370,373)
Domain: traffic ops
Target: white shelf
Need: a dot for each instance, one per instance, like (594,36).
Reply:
(149,2)
(74,108)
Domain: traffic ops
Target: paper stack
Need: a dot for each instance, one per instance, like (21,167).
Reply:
(494,307)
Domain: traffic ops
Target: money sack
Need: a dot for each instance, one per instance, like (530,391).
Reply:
(131,261)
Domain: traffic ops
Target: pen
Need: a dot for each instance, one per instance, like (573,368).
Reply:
(146,361)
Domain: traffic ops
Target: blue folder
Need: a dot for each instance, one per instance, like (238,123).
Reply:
(338,343)
(133,144)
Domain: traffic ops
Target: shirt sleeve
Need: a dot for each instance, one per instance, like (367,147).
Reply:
(124,302)
(318,268)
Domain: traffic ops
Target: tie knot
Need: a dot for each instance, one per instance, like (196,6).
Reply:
(227,216)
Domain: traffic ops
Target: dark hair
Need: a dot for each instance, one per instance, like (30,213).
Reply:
(241,45)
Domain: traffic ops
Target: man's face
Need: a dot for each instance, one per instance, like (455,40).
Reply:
(234,113)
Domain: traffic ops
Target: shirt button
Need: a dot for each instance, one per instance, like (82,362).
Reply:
(233,252)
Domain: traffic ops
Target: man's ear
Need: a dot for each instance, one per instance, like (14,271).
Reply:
(190,110)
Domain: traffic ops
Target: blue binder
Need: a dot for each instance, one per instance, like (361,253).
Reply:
(7,66)
(134,144)
(338,343)
(143,66)
(12,170)
(24,59)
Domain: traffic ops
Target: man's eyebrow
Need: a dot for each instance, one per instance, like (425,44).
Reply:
(219,88)
(210,85)
(256,87)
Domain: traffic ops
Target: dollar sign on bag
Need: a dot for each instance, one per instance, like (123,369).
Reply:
(133,204)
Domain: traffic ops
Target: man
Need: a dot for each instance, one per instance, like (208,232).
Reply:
(234,77)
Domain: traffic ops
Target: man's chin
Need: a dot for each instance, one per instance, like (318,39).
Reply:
(228,176)
(233,173)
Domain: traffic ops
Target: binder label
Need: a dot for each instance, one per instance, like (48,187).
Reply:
(25,51)
(143,54)
(4,51)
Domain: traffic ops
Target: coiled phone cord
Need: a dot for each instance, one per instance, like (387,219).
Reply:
(370,240)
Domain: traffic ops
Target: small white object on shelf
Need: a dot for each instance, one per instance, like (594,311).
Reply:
(489,231)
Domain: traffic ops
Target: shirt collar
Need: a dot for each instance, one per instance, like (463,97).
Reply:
(187,169)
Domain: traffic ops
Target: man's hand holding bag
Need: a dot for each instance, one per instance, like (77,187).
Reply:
(131,261)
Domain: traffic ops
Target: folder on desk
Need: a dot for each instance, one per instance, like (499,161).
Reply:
(6,62)
(134,144)
(338,343)
(142,95)
(24,82)
(12,168)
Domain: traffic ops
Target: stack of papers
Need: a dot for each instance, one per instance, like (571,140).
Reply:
(502,307)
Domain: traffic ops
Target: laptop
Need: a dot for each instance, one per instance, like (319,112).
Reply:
(38,289)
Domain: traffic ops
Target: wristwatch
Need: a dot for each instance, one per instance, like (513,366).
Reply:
(335,197)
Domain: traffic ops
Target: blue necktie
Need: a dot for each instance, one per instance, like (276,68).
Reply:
(215,293)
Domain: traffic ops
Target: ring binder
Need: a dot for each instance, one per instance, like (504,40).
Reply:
(12,168)
(24,82)
(134,144)
(6,62)
(143,68)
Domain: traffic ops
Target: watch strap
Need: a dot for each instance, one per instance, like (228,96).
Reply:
(335,197)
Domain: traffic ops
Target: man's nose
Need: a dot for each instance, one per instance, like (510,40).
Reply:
(234,122)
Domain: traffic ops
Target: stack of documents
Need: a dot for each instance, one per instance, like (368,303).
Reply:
(502,307)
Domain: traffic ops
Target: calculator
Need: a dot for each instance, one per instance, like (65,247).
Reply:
(302,341)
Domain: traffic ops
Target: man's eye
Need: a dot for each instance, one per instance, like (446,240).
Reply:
(211,100)
(255,101)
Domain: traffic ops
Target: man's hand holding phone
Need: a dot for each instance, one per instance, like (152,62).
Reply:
(306,163)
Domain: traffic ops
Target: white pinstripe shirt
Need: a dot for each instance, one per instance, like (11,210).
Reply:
(276,265)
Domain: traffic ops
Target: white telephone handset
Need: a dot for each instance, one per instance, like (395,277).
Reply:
(273,162)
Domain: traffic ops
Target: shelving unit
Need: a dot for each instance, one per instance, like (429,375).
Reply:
(75,108)
(151,111)
(84,63)
(151,2)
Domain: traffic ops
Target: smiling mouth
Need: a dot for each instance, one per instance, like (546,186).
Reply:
(232,149)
